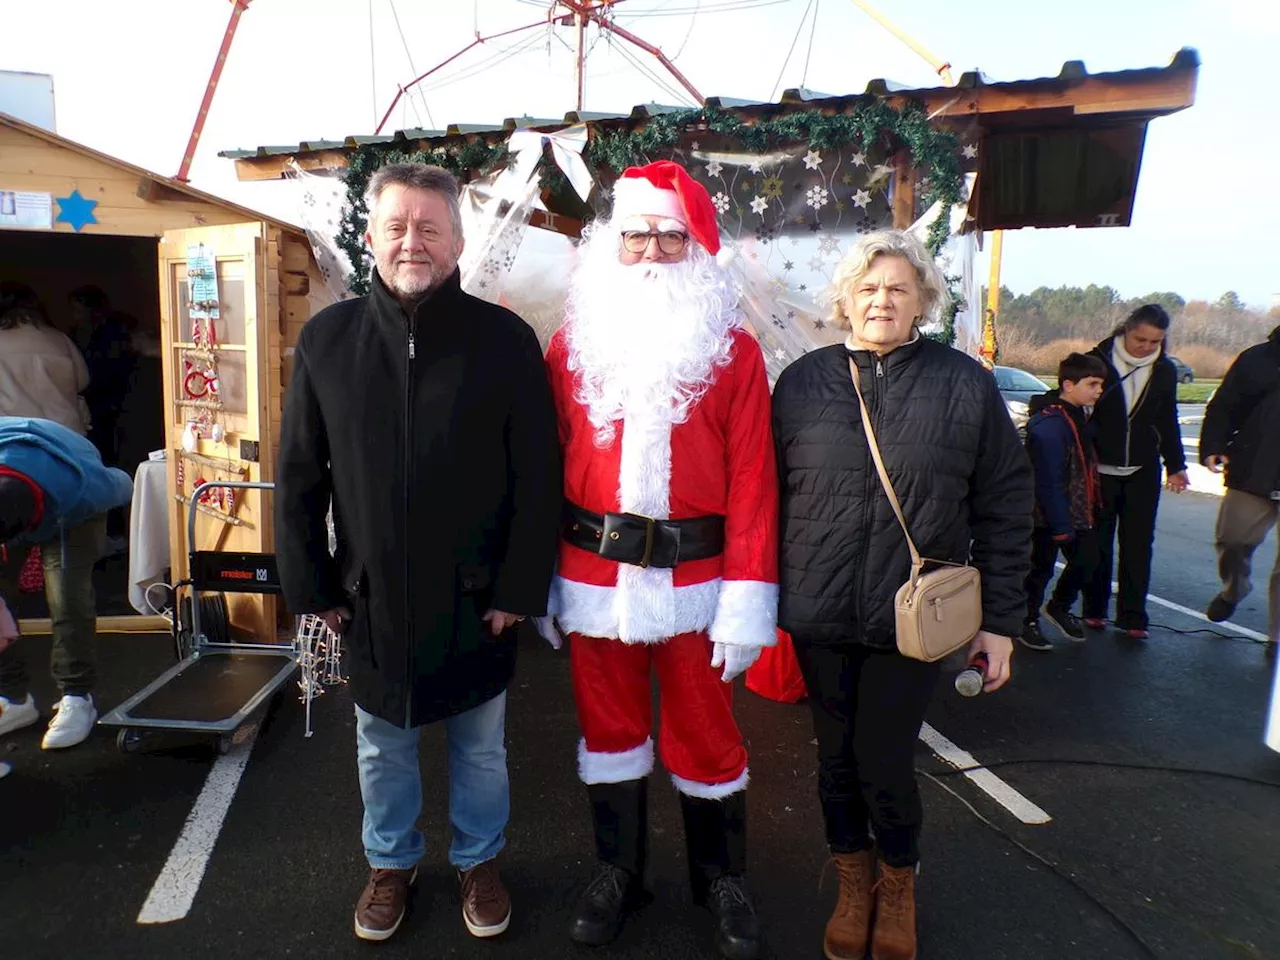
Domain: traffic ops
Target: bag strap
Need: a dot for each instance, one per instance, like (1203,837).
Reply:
(916,560)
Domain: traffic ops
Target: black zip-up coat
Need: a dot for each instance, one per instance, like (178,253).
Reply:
(436,436)
(1149,432)
(1241,420)
(956,463)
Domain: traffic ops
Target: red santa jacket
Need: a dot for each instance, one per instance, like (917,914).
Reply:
(720,461)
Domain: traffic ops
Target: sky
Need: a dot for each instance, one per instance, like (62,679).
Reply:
(129,76)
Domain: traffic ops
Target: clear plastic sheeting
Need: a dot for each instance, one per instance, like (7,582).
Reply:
(320,203)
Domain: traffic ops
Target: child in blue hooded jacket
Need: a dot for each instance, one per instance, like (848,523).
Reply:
(55,492)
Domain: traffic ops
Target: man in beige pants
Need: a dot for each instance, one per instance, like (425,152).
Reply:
(1239,435)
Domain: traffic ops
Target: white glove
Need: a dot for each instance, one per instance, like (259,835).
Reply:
(734,657)
(547,630)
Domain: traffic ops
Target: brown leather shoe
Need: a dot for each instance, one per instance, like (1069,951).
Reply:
(849,929)
(486,905)
(893,936)
(382,905)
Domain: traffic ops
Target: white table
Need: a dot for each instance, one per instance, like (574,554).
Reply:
(148,534)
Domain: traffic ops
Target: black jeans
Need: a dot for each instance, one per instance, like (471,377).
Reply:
(1082,559)
(867,709)
(1128,509)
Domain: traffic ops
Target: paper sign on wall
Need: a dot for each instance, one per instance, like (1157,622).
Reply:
(26,209)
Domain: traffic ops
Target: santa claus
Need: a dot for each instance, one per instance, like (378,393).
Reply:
(669,556)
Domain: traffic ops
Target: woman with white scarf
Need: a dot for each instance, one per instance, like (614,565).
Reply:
(1134,426)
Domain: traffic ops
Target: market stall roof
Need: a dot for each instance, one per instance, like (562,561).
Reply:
(150,186)
(1136,95)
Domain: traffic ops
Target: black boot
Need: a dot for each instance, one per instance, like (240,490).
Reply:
(620,814)
(716,836)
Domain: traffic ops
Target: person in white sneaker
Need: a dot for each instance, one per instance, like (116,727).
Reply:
(54,491)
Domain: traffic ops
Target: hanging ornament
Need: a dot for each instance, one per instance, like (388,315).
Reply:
(216,433)
(190,437)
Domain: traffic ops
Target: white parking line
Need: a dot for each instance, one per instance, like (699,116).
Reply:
(175,889)
(984,779)
(1194,614)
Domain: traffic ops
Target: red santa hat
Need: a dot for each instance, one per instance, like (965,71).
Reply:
(665,189)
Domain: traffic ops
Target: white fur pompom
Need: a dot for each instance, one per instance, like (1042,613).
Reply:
(726,255)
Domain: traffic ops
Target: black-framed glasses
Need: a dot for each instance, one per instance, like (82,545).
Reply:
(669,241)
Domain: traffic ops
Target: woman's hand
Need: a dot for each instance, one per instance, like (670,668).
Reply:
(998,650)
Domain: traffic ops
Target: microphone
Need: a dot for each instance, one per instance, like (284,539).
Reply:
(969,681)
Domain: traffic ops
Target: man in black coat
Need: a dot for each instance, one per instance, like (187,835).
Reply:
(1135,426)
(425,414)
(1239,434)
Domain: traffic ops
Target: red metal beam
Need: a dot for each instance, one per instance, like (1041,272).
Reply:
(238,7)
(444,63)
(649,48)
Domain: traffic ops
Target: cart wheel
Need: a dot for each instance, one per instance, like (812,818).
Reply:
(225,742)
(129,740)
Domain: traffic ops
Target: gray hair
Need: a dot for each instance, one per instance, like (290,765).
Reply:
(888,243)
(416,176)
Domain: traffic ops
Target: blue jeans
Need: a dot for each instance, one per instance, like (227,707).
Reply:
(391,786)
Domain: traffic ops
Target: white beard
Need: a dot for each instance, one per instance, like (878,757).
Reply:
(646,340)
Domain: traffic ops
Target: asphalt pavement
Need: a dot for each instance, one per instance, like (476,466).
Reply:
(1173,863)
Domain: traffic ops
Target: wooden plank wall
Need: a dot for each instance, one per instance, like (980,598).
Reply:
(27,163)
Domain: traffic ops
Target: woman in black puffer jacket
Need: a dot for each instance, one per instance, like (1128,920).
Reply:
(965,486)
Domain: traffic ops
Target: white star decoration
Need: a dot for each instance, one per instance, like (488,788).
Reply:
(713,168)
(816,263)
(813,159)
(970,151)
(780,354)
(828,243)
(861,199)
(759,205)
(755,165)
(858,159)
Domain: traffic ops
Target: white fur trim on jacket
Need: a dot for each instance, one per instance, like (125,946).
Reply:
(711,791)
(637,197)
(596,611)
(633,764)
(746,614)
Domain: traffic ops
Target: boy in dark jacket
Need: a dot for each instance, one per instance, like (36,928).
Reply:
(1067,497)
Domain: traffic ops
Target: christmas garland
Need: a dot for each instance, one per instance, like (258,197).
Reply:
(866,124)
(475,155)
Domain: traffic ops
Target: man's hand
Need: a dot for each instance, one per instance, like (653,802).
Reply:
(1216,462)
(499,620)
(336,619)
(998,650)
(1177,482)
(734,657)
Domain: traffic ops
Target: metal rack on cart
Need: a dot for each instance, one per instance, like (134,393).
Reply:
(217,686)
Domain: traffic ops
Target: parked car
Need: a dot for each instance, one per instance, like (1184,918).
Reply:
(1018,387)
(1185,373)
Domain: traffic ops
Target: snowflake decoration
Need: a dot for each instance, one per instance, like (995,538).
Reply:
(721,203)
(858,159)
(795,241)
(803,287)
(817,197)
(780,354)
(765,233)
(816,263)
(755,165)
(799,219)
(812,160)
(788,265)
(713,168)
(759,205)
(861,199)
(777,321)
(745,186)
(970,151)
(840,206)
(819,324)
(791,314)
(847,179)
(828,243)
(772,188)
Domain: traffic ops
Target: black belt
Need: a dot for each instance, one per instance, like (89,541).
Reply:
(643,541)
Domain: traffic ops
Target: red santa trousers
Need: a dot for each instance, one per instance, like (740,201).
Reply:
(698,738)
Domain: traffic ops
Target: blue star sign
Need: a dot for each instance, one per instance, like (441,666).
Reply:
(76,210)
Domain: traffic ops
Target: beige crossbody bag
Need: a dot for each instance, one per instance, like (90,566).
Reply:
(938,612)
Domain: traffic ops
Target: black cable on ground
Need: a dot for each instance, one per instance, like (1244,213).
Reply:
(1155,768)
(1209,630)
(1050,865)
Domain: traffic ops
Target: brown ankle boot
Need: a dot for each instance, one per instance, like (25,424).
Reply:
(849,928)
(893,936)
